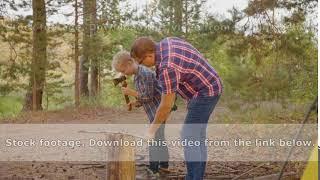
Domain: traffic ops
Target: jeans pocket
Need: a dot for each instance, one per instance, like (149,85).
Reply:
(202,104)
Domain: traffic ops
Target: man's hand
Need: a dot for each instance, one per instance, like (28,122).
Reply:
(150,134)
(129,92)
(163,111)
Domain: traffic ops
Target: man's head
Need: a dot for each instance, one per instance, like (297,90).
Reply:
(123,63)
(143,51)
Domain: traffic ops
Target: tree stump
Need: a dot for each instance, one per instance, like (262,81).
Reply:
(121,159)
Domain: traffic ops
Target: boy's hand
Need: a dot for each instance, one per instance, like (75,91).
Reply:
(136,104)
(128,91)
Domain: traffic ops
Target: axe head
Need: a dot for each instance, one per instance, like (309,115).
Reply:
(119,80)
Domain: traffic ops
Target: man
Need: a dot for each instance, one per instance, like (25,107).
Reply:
(148,94)
(181,68)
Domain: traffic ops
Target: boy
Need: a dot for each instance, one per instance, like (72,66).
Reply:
(148,94)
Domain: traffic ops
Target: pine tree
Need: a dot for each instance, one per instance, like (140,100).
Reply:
(179,16)
(110,13)
(19,41)
(94,66)
(89,28)
(76,55)
(39,57)
(166,9)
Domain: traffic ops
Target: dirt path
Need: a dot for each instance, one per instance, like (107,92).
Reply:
(96,170)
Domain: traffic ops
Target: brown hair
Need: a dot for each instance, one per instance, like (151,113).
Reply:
(141,46)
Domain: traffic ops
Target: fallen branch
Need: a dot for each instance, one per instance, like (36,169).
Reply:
(93,166)
(272,176)
(237,177)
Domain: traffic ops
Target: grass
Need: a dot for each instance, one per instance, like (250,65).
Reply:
(266,112)
(10,106)
(231,110)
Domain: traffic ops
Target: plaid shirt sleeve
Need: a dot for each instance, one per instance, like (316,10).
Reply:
(169,79)
(146,88)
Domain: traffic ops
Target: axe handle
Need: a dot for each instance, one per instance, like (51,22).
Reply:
(126,97)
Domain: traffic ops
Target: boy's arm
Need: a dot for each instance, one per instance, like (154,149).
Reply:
(145,88)
(129,92)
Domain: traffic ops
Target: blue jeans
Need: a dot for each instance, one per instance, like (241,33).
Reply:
(195,130)
(159,154)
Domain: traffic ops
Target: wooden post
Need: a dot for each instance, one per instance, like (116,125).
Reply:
(121,159)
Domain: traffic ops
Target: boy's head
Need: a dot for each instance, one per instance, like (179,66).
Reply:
(143,51)
(123,63)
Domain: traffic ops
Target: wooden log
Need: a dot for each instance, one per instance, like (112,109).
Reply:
(121,159)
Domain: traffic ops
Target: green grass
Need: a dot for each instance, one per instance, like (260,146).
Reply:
(10,106)
(261,114)
(233,110)
(112,96)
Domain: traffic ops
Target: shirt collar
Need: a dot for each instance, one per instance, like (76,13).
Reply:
(138,75)
(158,55)
(158,58)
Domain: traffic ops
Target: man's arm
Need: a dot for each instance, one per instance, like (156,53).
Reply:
(163,112)
(168,80)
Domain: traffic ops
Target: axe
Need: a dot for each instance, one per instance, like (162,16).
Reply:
(122,80)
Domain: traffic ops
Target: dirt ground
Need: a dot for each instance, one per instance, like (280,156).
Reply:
(97,170)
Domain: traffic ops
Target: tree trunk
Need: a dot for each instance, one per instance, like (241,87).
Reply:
(76,58)
(94,59)
(39,57)
(186,17)
(171,18)
(121,159)
(84,61)
(178,19)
